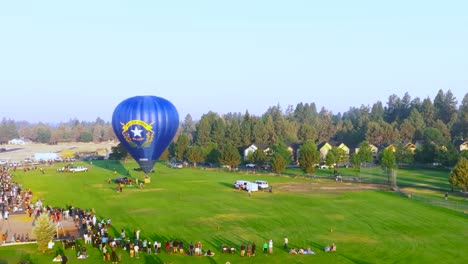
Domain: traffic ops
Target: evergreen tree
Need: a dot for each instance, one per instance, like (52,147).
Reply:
(445,107)
(118,152)
(258,157)
(44,134)
(308,156)
(246,130)
(306,132)
(172,149)
(330,159)
(417,121)
(324,126)
(356,161)
(270,130)
(407,131)
(202,136)
(388,162)
(8,130)
(44,231)
(460,128)
(213,155)
(403,155)
(188,127)
(218,132)
(377,112)
(233,134)
(181,146)
(281,149)
(195,154)
(365,152)
(260,133)
(447,155)
(459,175)
(391,110)
(426,153)
(278,163)
(230,156)
(428,111)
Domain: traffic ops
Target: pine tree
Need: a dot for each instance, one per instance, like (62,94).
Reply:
(278,163)
(230,156)
(44,231)
(459,175)
(308,157)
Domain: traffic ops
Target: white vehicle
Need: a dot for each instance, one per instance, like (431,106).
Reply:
(240,184)
(78,169)
(262,184)
(250,165)
(177,166)
(251,186)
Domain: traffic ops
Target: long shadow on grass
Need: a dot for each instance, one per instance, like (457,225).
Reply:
(225,184)
(111,165)
(152,259)
(354,260)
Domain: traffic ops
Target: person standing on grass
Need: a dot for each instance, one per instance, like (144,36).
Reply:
(265,247)
(114,258)
(446,196)
(270,246)
(286,242)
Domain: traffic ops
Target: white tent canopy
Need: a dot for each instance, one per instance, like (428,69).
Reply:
(45,156)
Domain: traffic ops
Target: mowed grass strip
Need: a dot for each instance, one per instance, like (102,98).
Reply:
(368,226)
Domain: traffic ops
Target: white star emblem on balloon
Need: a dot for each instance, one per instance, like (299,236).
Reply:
(136,132)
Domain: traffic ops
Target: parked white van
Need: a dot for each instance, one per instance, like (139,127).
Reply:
(262,184)
(240,184)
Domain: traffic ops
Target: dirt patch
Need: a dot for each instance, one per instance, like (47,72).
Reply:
(334,188)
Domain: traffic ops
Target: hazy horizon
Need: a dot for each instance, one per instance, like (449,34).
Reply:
(79,60)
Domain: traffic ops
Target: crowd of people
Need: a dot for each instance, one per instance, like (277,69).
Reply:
(95,232)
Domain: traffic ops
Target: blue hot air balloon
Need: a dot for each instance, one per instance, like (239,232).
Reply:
(145,125)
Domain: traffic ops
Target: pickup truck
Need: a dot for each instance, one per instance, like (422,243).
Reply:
(77,169)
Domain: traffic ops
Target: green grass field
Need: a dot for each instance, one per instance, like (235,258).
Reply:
(369,226)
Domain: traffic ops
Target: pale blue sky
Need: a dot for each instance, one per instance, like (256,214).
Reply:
(79,59)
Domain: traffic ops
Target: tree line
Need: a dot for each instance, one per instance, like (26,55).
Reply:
(437,124)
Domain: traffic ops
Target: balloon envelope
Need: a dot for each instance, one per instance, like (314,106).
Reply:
(145,125)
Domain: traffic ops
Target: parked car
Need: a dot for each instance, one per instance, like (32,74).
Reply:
(344,165)
(250,165)
(240,184)
(177,166)
(262,184)
(77,169)
(324,166)
(120,180)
